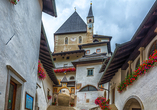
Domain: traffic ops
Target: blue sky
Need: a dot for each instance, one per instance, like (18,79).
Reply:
(117,18)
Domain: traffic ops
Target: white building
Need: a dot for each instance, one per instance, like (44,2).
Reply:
(20,29)
(142,94)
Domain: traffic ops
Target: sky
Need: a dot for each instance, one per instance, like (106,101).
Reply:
(117,18)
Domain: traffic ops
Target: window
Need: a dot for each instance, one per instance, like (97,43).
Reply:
(65,65)
(98,50)
(89,72)
(90,20)
(54,59)
(153,47)
(72,78)
(68,57)
(66,40)
(88,88)
(137,63)
(87,51)
(80,40)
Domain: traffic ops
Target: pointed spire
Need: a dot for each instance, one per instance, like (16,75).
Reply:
(90,13)
(64,79)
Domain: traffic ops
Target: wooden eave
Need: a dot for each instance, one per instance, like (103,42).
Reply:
(129,50)
(49,7)
(46,57)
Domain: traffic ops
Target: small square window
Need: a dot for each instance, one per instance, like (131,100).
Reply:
(98,50)
(67,57)
(54,59)
(90,72)
(87,51)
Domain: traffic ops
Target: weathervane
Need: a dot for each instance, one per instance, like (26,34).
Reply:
(91,3)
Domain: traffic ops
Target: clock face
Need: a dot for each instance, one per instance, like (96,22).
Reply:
(73,39)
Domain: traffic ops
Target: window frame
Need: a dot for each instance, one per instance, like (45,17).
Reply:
(65,41)
(80,37)
(92,71)
(97,50)
(88,88)
(87,50)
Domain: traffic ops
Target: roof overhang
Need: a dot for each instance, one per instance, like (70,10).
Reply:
(68,52)
(46,57)
(49,7)
(129,50)
(101,36)
(96,44)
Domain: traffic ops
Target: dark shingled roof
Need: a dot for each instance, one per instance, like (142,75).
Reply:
(90,13)
(74,24)
(64,79)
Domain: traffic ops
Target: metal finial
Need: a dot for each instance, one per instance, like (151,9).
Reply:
(91,3)
(75,8)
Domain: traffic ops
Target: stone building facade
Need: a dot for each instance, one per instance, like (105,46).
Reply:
(141,94)
(20,28)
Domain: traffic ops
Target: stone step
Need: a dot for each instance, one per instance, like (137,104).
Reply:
(63,100)
(60,108)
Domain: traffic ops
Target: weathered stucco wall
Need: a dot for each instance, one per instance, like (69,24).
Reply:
(144,88)
(46,84)
(92,49)
(81,77)
(23,22)
(61,59)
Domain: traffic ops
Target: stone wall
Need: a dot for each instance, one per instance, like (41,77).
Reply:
(23,22)
(73,42)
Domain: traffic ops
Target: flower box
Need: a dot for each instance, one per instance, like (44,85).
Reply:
(49,97)
(141,70)
(41,71)
(14,2)
(72,104)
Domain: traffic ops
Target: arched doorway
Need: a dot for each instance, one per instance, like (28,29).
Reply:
(133,103)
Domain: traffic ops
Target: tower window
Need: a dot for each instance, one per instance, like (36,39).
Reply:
(80,40)
(66,40)
(90,20)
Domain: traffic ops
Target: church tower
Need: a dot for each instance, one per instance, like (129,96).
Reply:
(90,25)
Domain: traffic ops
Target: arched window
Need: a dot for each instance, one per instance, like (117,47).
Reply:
(90,20)
(153,47)
(88,88)
(137,63)
(80,40)
(66,40)
(72,78)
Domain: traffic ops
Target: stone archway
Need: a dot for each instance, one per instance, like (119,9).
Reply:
(133,103)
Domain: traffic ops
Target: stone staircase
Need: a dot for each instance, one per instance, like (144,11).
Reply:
(63,103)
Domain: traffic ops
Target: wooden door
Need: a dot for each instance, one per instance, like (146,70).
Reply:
(113,95)
(12,96)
